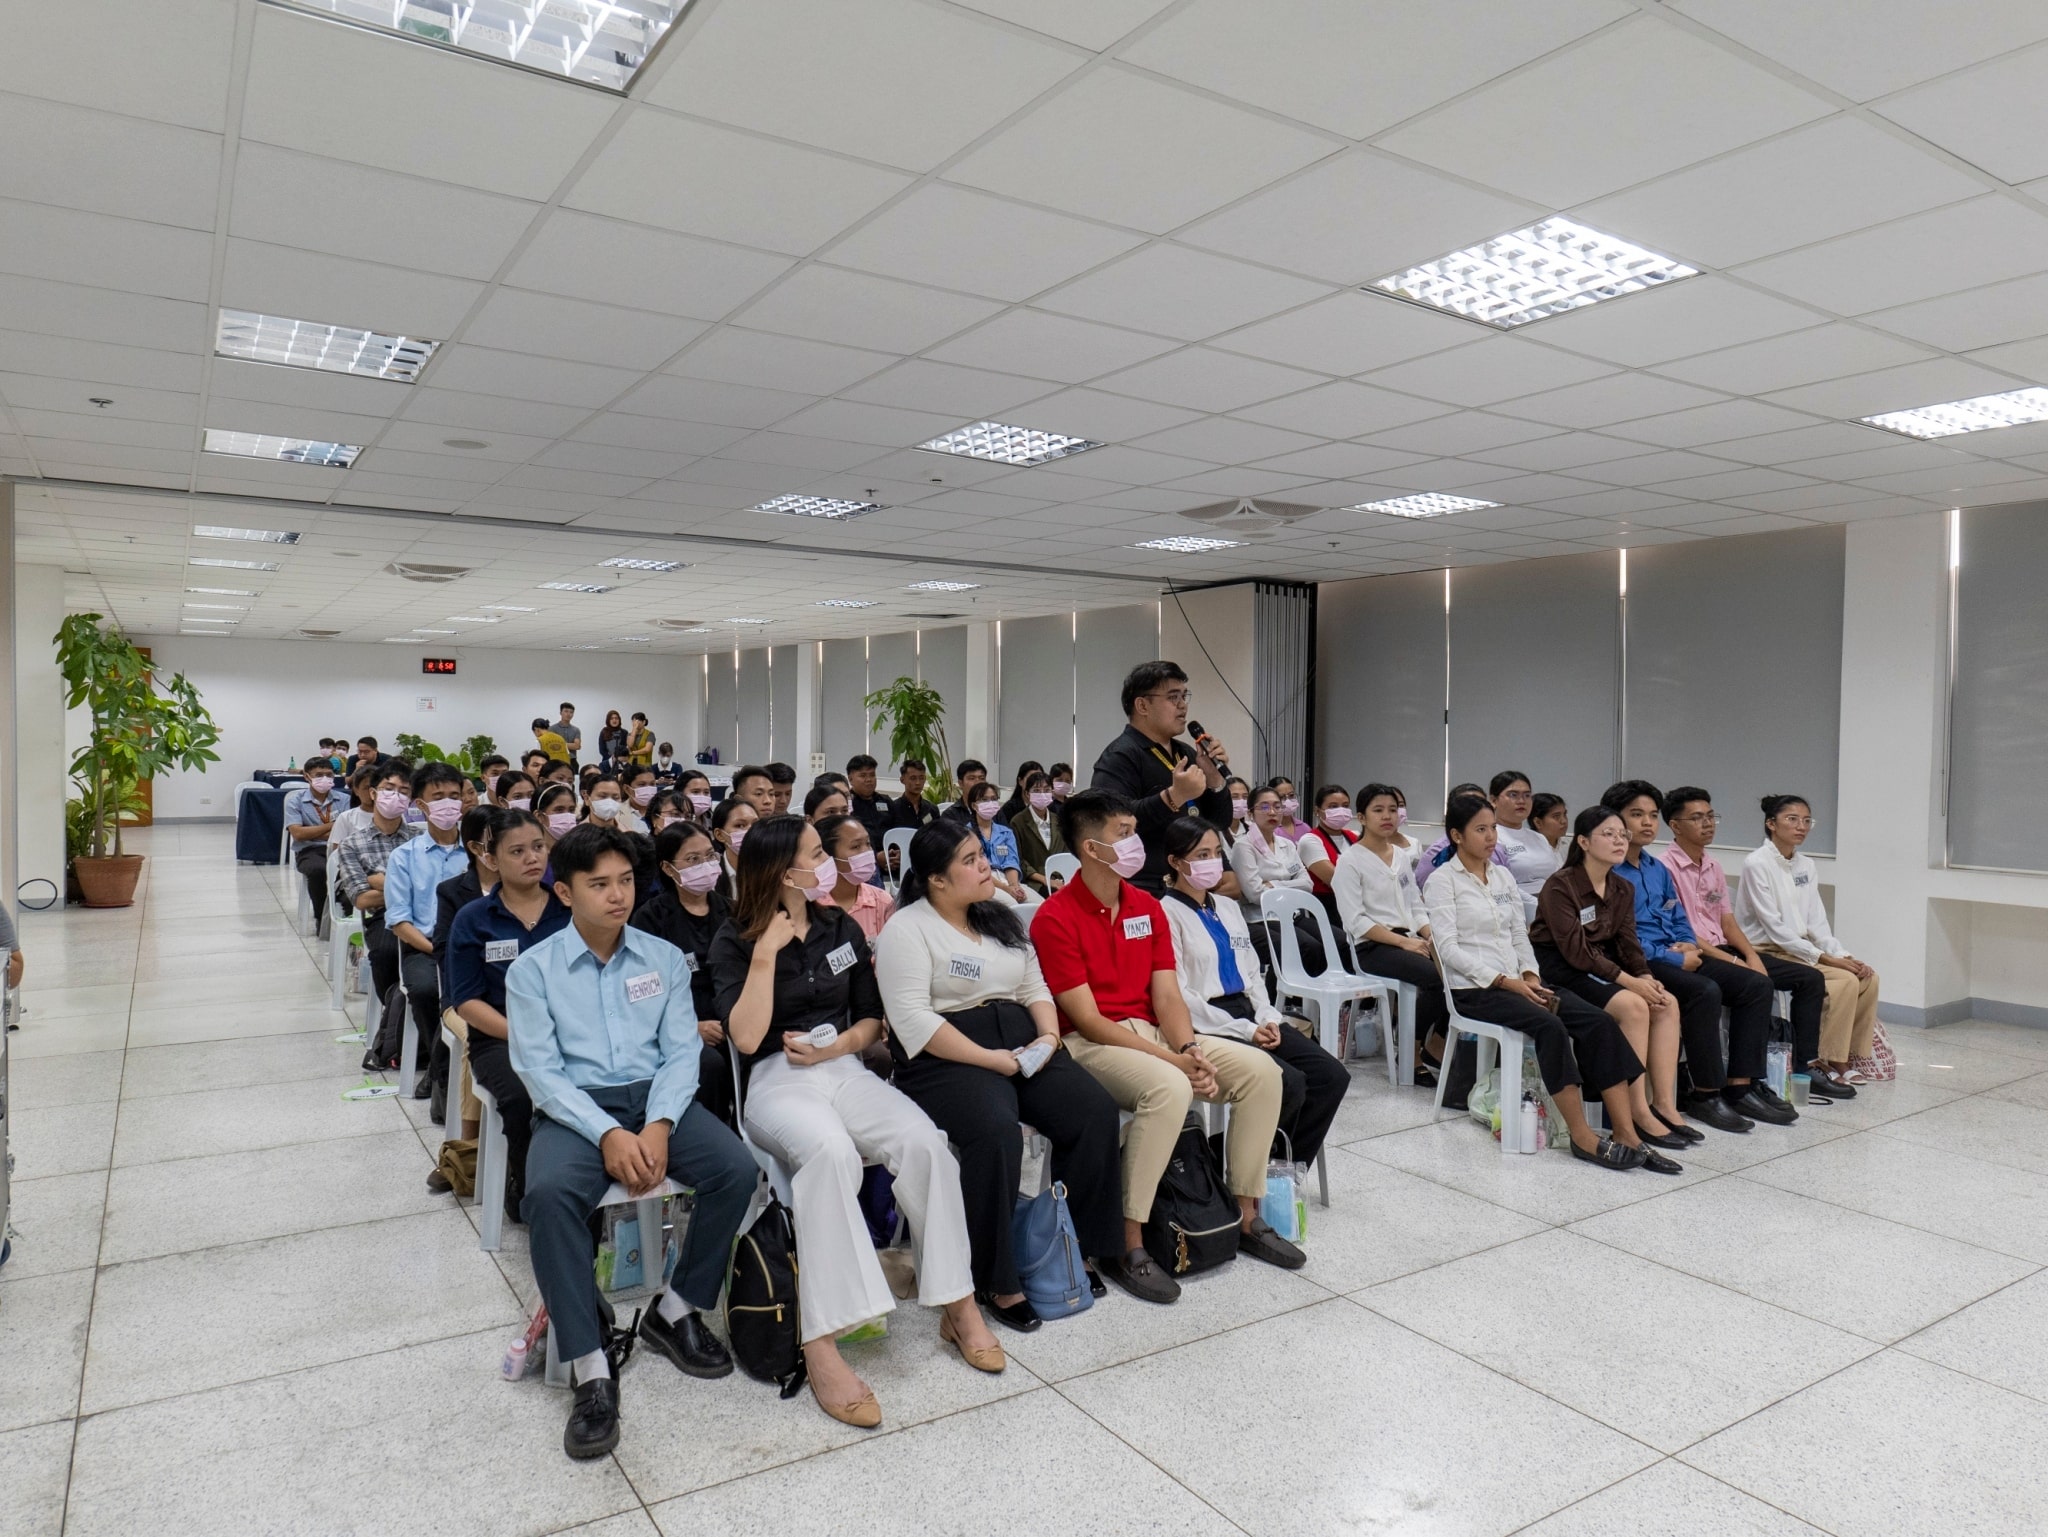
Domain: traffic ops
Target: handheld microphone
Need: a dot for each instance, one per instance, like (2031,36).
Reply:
(1205,741)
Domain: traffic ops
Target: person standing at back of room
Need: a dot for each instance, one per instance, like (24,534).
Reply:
(570,733)
(640,741)
(1161,777)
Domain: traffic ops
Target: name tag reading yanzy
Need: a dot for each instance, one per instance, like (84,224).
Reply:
(647,985)
(840,959)
(1139,927)
(501,950)
(964,966)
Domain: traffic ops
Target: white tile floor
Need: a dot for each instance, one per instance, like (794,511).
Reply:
(234,1308)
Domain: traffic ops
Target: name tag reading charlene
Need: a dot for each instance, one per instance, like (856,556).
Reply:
(501,950)
(643,987)
(840,959)
(964,966)
(1586,914)
(1139,927)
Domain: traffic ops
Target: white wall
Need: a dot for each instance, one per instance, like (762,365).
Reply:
(39,726)
(275,700)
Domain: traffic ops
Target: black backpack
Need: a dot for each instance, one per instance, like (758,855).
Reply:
(760,1302)
(1194,1222)
(389,1041)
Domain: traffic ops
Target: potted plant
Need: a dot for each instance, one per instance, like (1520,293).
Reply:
(137,733)
(915,716)
(416,750)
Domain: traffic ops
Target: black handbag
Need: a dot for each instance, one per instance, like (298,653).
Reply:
(1194,1222)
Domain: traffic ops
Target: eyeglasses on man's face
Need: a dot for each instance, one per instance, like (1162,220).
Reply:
(1702,818)
(1175,696)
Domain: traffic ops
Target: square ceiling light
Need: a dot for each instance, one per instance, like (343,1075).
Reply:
(832,507)
(574,587)
(232,608)
(632,563)
(1424,504)
(1005,444)
(309,344)
(843,603)
(260,535)
(1189,544)
(599,42)
(943,587)
(233,565)
(1546,269)
(1976,415)
(256,445)
(510,608)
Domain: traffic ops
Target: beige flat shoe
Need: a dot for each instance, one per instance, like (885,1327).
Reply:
(863,1414)
(987,1358)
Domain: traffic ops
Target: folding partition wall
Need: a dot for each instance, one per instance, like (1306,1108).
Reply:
(1380,684)
(1998,702)
(1035,703)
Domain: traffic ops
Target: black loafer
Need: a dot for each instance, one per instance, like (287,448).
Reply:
(1719,1114)
(1672,1139)
(1657,1163)
(1820,1086)
(1262,1243)
(1618,1156)
(1137,1274)
(1097,1287)
(593,1428)
(1021,1315)
(695,1350)
(1760,1104)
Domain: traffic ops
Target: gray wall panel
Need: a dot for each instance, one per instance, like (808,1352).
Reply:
(1109,643)
(753,722)
(1035,701)
(721,706)
(782,710)
(1380,686)
(843,683)
(1998,714)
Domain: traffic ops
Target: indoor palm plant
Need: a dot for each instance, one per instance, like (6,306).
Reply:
(139,729)
(914,714)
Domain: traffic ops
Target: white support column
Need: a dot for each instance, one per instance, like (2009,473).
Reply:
(40,783)
(10,758)
(978,730)
(808,736)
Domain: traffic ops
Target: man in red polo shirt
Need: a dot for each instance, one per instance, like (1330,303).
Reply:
(1107,953)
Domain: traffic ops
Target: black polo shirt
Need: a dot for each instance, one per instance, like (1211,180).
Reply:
(825,978)
(1139,769)
(874,812)
(904,812)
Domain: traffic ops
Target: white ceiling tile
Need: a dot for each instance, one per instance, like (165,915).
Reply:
(349,210)
(2028,359)
(1242,482)
(1803,357)
(722,405)
(102,363)
(538,477)
(1622,503)
(953,238)
(920,385)
(1046,346)
(853,421)
(772,362)
(1463,433)
(118,456)
(555,327)
(1804,443)
(1650,469)
(1896,389)
(647,432)
(1812,184)
(1103,417)
(588,257)
(96,427)
(35,392)
(1803,498)
(1617,398)
(311,389)
(1673,322)
(1527,490)
(1138,466)
(488,371)
(488,413)
(833,305)
(1118,146)
(335,290)
(98,314)
(468,469)
(1712,424)
(800,452)
(1205,380)
(1221,440)
(1894,458)
(1638,100)
(1343,410)
(1173,291)
(1356,66)
(437,113)
(1731,483)
(1482,372)
(1351,332)
(1563,451)
(1981,317)
(2016,491)
(1357,217)
(1093,24)
(1949,249)
(101,163)
(432,438)
(104,252)
(1460,476)
(888,80)
(1958,481)
(1864,48)
(620,461)
(698,179)
(146,59)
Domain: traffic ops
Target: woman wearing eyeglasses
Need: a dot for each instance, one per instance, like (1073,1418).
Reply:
(1531,858)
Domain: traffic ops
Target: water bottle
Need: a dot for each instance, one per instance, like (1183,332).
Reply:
(1777,1067)
(514,1366)
(292,767)
(1532,1139)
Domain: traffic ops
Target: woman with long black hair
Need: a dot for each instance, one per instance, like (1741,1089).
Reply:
(688,910)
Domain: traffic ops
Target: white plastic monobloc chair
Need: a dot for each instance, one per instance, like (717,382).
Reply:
(1323,997)
(1065,866)
(1492,1038)
(896,854)
(653,1252)
(340,930)
(492,1171)
(303,907)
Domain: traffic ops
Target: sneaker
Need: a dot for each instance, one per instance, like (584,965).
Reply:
(1137,1274)
(694,1349)
(1262,1243)
(593,1428)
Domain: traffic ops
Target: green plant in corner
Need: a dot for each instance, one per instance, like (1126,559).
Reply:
(477,748)
(914,714)
(417,749)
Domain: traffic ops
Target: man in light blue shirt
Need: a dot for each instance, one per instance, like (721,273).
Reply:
(604,1037)
(411,875)
(309,813)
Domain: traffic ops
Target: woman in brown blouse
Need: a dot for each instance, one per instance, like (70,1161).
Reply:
(1585,941)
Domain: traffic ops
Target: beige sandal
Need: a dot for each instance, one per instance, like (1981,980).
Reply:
(983,1358)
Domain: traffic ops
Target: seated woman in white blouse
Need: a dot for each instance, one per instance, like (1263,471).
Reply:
(1263,861)
(1226,996)
(1377,902)
(1530,857)
(969,1019)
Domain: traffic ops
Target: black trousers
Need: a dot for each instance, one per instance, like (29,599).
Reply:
(980,1111)
(490,1064)
(311,859)
(1579,1044)
(714,1084)
(1809,989)
(1313,960)
(423,998)
(1431,1013)
(1700,996)
(1312,1085)
(382,946)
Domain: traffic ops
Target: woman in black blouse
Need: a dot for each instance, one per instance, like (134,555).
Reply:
(687,910)
(795,986)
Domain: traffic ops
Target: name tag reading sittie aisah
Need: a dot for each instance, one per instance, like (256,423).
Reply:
(1586,914)
(643,987)
(1139,927)
(501,950)
(840,959)
(964,966)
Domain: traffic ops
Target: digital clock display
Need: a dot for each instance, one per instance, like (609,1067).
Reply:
(444,665)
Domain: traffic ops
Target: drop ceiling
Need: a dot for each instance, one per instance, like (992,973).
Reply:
(814,234)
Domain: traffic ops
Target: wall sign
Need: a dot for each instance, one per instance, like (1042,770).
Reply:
(444,665)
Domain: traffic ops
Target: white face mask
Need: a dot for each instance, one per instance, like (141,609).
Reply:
(321,783)
(604,808)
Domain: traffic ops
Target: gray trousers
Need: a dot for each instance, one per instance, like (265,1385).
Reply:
(565,1179)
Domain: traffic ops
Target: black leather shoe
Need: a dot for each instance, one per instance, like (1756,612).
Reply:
(1657,1163)
(437,1104)
(421,1088)
(1718,1113)
(1670,1140)
(1614,1155)
(1760,1104)
(695,1350)
(1820,1086)
(1261,1242)
(1097,1287)
(593,1428)
(1021,1316)
(1137,1274)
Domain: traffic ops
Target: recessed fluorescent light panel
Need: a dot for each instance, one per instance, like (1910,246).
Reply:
(572,587)
(943,587)
(224,592)
(843,603)
(233,565)
(1426,504)
(423,630)
(233,608)
(600,42)
(510,608)
(260,535)
(308,344)
(1977,415)
(256,445)
(818,507)
(630,563)
(405,640)
(746,621)
(474,619)
(1009,445)
(1545,269)
(1189,544)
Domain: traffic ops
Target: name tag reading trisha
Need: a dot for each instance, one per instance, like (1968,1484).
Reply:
(840,959)
(501,950)
(643,987)
(1139,927)
(964,966)
(1586,914)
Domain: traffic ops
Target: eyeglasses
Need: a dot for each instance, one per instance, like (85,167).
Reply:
(1518,795)
(1176,696)
(1792,821)
(1700,816)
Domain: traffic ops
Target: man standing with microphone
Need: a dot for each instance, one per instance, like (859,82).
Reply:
(1162,778)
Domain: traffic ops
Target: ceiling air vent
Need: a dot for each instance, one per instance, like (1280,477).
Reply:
(1247,519)
(413,571)
(319,634)
(675,624)
(934,616)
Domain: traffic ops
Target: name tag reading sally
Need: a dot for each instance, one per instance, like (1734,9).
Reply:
(1139,927)
(643,987)
(689,962)
(964,966)
(840,959)
(501,950)
(1586,914)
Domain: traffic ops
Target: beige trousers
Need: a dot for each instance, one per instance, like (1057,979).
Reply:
(1158,1095)
(1849,1018)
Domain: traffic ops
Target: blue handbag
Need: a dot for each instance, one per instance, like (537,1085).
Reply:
(1048,1254)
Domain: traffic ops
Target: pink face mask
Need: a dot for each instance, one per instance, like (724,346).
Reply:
(1041,801)
(321,783)
(1203,874)
(559,822)
(445,814)
(1130,855)
(1060,787)
(1401,816)
(391,804)
(1288,806)
(824,876)
(1338,817)
(490,783)
(987,809)
(860,869)
(519,803)
(642,794)
(1238,807)
(701,802)
(735,836)
(698,877)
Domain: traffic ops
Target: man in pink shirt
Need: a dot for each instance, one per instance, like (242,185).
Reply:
(1703,892)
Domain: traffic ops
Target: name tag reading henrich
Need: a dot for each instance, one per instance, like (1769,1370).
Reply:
(1139,927)
(501,950)
(965,967)
(840,959)
(643,987)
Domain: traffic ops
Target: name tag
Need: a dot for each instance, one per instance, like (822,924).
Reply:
(1507,898)
(689,963)
(1670,903)
(643,987)
(1586,914)
(1139,927)
(1710,899)
(964,966)
(840,959)
(1241,942)
(1801,880)
(501,950)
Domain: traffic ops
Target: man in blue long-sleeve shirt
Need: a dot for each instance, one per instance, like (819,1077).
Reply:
(604,1037)
(1728,1093)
